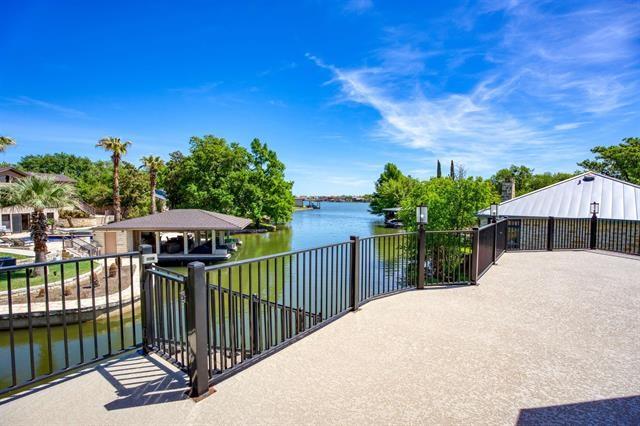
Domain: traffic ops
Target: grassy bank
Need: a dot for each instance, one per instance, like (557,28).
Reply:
(15,256)
(19,277)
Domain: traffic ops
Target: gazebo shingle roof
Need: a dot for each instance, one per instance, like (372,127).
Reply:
(180,220)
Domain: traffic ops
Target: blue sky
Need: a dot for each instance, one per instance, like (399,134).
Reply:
(337,88)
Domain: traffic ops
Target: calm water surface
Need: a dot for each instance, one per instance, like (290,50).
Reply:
(332,223)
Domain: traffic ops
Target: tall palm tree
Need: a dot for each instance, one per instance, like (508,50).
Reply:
(117,149)
(38,193)
(152,164)
(6,142)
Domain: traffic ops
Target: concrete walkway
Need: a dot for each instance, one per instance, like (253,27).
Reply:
(546,337)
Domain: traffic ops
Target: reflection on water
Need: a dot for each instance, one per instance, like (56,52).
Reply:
(332,223)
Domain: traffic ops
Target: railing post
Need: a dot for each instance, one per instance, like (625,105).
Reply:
(145,299)
(551,230)
(594,232)
(196,325)
(495,241)
(255,328)
(475,252)
(422,254)
(355,273)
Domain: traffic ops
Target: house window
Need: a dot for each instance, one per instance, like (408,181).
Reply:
(6,221)
(49,215)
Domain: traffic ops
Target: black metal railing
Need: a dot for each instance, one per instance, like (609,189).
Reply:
(257,305)
(387,264)
(239,312)
(80,245)
(60,315)
(492,243)
(165,315)
(622,236)
(448,257)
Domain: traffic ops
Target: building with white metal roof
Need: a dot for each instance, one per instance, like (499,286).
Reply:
(571,198)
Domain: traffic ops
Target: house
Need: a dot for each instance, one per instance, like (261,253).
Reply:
(175,235)
(587,210)
(17,219)
(572,198)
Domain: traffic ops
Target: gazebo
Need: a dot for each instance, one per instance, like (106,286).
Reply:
(180,235)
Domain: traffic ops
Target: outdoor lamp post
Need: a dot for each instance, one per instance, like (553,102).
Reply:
(493,212)
(422,218)
(594,209)
(422,215)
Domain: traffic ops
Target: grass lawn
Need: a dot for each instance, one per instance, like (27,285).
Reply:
(18,278)
(15,256)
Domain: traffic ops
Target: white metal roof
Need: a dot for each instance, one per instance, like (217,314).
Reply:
(571,198)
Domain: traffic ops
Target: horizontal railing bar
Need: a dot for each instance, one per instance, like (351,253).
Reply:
(65,261)
(173,276)
(270,256)
(396,234)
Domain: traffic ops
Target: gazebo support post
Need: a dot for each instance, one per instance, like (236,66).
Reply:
(158,239)
(213,241)
(185,243)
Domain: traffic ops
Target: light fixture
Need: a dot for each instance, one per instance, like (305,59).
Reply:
(493,210)
(595,208)
(422,215)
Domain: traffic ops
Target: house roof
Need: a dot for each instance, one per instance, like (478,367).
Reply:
(572,197)
(180,220)
(55,176)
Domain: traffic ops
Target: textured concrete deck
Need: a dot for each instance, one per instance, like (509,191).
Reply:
(546,337)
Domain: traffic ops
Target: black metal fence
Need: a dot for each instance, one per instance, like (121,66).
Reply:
(60,315)
(491,244)
(218,319)
(622,236)
(255,306)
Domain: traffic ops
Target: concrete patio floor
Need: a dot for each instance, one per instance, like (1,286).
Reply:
(549,337)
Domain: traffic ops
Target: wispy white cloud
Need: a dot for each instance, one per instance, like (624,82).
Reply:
(31,102)
(358,6)
(545,74)
(567,126)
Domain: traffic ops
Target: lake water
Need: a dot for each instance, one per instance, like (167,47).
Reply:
(332,223)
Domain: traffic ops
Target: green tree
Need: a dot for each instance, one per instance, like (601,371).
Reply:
(439,170)
(61,163)
(275,192)
(452,171)
(226,177)
(117,149)
(620,161)
(135,191)
(152,164)
(521,175)
(525,180)
(38,194)
(383,196)
(452,203)
(5,142)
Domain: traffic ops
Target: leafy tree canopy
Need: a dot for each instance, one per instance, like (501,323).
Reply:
(67,164)
(391,188)
(620,161)
(228,178)
(525,180)
(94,180)
(452,203)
